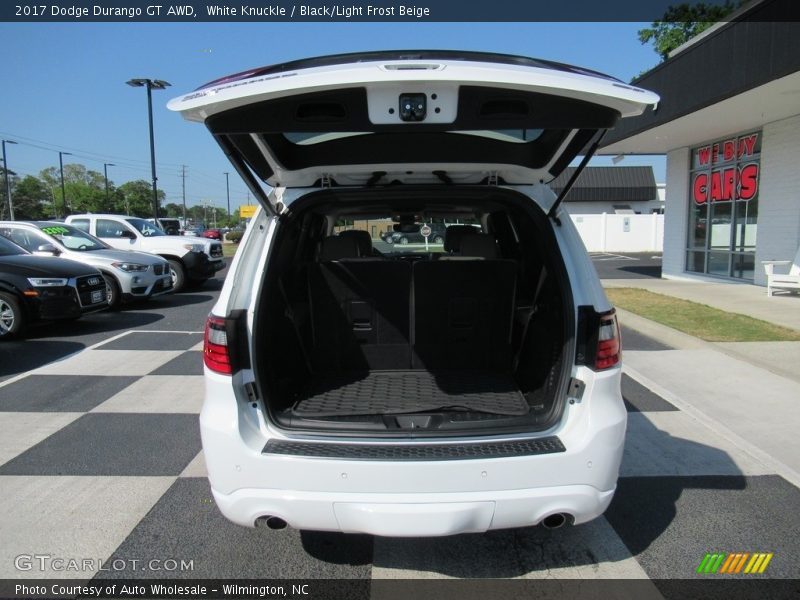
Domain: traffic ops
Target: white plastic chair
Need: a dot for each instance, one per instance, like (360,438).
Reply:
(783,281)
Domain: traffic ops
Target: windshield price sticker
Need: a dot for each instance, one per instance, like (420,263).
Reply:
(55,230)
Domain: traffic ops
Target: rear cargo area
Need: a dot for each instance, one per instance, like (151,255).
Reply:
(472,337)
(399,392)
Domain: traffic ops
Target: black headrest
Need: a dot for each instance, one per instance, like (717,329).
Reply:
(453,235)
(337,248)
(479,245)
(362,238)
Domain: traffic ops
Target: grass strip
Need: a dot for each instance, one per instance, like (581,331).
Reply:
(699,320)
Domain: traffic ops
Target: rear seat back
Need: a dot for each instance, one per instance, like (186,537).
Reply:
(362,238)
(370,314)
(462,314)
(454,234)
(360,311)
(338,248)
(475,246)
(480,245)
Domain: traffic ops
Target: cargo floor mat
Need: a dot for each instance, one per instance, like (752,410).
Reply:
(394,392)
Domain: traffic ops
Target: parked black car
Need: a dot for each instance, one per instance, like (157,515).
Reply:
(34,288)
(397,237)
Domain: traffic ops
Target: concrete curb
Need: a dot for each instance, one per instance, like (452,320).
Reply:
(737,440)
(662,333)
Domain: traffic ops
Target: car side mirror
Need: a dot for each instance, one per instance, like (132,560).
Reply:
(127,233)
(47,249)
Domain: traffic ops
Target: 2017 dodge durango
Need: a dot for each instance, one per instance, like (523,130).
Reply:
(411,393)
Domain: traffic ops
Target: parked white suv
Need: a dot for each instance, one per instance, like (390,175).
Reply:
(190,260)
(128,275)
(412,393)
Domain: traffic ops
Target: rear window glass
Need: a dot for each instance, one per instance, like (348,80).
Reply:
(82,224)
(388,237)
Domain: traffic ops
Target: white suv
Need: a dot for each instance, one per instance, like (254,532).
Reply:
(399,391)
(189,260)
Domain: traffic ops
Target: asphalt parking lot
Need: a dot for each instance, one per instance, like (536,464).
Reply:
(629,265)
(101,457)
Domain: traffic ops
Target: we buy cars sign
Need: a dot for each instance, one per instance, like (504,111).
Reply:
(726,170)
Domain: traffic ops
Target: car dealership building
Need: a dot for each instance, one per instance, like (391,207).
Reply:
(729,124)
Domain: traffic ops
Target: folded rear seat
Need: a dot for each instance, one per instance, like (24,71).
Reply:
(360,310)
(463,309)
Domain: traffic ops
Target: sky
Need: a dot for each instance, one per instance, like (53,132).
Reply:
(64,84)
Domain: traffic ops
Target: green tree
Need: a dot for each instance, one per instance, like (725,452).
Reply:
(85,189)
(32,199)
(682,22)
(137,198)
(51,178)
(171,209)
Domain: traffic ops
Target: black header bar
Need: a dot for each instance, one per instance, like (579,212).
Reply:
(227,11)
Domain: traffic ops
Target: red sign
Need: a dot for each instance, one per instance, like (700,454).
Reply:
(727,183)
(736,148)
(724,185)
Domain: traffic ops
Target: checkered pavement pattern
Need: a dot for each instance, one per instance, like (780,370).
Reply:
(100,457)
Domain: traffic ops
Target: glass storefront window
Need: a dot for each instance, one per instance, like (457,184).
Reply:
(698,225)
(720,228)
(696,261)
(718,263)
(723,206)
(746,221)
(744,266)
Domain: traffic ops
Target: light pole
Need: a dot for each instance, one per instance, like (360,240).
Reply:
(151,84)
(61,167)
(228,192)
(8,179)
(105,172)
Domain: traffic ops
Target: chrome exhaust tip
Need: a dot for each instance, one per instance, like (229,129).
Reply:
(555,521)
(271,522)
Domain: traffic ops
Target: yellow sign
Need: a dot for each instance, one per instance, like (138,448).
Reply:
(246,211)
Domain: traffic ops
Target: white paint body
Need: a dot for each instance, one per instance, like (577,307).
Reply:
(411,498)
(424,497)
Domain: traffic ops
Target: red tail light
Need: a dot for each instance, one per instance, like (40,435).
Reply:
(609,348)
(215,346)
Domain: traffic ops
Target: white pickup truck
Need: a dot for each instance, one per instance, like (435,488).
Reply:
(190,259)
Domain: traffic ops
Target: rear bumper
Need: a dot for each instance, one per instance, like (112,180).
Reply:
(407,515)
(413,497)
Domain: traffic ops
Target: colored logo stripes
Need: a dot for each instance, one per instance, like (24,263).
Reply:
(734,563)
